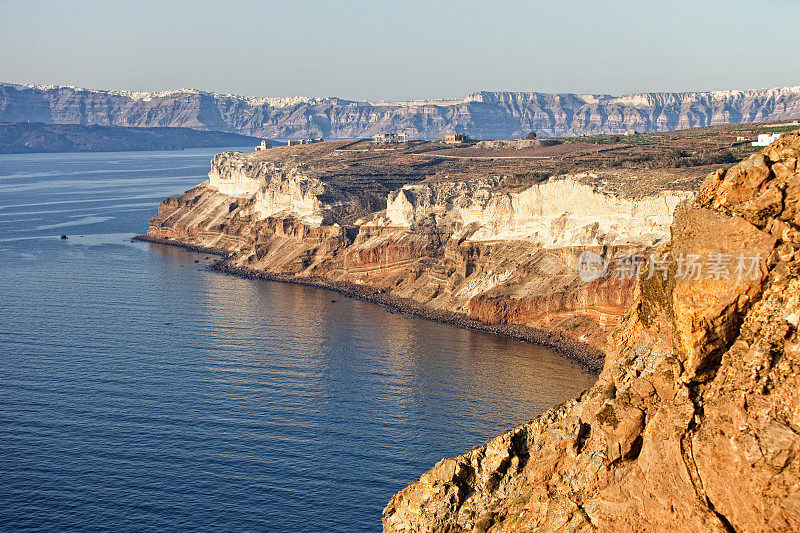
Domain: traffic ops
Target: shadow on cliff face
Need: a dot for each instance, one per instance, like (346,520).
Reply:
(694,423)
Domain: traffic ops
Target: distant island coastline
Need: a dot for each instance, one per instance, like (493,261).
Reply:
(36,137)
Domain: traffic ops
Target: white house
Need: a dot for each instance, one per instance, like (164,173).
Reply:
(295,142)
(765,139)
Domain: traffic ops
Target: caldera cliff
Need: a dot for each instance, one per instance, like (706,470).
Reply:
(485,114)
(449,238)
(694,423)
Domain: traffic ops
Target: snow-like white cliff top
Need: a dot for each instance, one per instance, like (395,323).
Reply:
(646,99)
(635,99)
(146,96)
(282,101)
(419,103)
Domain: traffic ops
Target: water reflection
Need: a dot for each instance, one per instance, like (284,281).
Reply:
(339,352)
(142,390)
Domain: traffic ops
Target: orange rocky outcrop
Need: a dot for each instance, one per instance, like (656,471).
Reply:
(694,423)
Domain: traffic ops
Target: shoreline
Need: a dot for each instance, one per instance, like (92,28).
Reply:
(588,358)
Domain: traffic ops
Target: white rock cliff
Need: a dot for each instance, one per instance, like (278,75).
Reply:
(557,213)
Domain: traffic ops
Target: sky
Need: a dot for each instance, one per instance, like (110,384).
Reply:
(404,49)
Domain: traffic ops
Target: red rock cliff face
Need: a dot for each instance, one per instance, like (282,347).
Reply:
(566,301)
(504,282)
(694,423)
(602,302)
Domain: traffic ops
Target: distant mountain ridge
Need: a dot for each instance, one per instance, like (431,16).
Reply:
(483,114)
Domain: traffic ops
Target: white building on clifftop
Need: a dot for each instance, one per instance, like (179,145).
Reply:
(389,138)
(295,142)
(765,139)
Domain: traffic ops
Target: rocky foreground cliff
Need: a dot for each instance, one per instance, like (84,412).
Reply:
(487,115)
(694,423)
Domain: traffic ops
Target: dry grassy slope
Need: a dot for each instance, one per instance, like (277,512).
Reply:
(664,161)
(628,166)
(694,423)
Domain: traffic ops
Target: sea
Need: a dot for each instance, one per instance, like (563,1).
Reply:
(142,391)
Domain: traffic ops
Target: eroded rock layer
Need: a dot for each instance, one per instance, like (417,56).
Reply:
(469,246)
(694,423)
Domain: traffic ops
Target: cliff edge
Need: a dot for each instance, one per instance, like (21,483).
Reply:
(447,236)
(694,423)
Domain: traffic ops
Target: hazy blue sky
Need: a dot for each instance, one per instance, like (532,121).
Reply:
(404,49)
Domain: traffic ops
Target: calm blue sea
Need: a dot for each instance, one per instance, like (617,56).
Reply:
(141,391)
